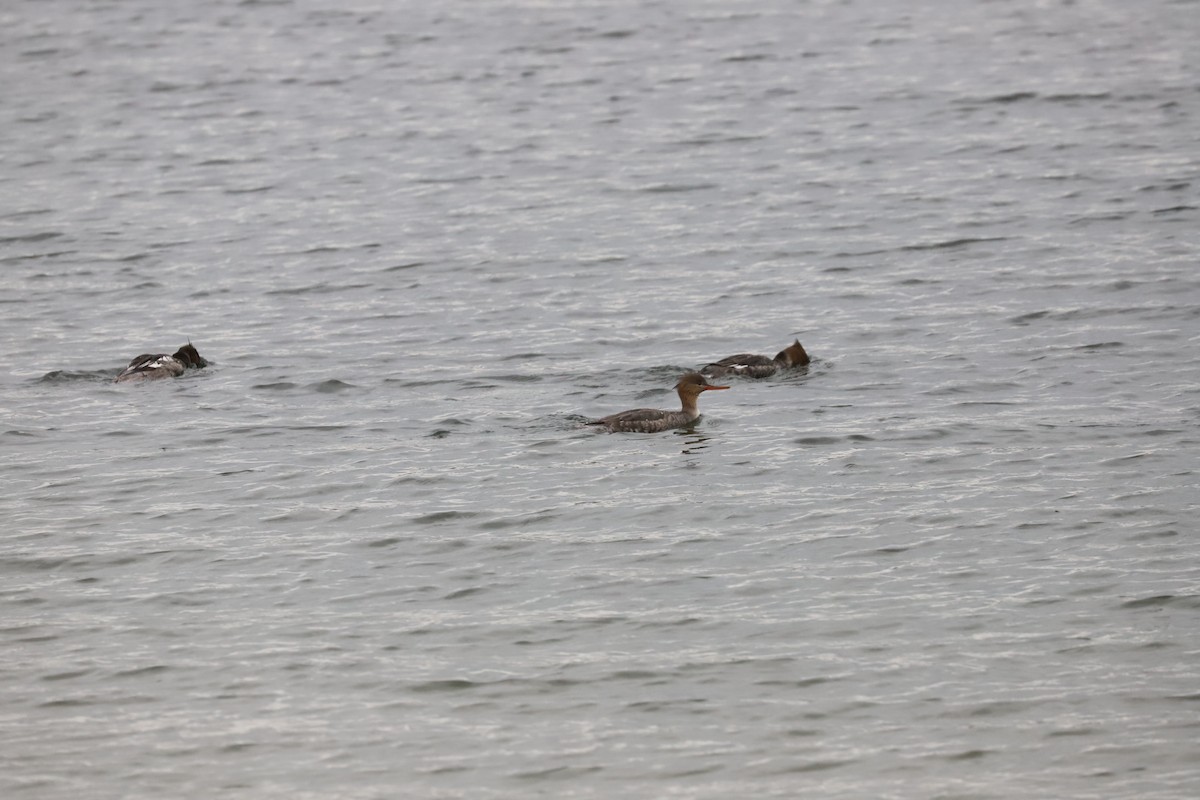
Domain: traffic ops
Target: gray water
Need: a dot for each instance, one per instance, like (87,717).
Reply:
(373,552)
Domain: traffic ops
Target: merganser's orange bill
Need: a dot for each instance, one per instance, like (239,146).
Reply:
(709,387)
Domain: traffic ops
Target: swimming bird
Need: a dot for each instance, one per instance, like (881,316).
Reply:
(152,366)
(752,366)
(653,420)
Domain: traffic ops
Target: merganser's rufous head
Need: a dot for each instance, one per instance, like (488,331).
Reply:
(693,383)
(793,355)
(190,356)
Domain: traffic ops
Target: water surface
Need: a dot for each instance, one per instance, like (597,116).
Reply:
(372,551)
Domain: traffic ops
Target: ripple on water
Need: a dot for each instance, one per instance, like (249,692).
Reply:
(380,525)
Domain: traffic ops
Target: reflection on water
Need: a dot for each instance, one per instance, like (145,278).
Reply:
(694,439)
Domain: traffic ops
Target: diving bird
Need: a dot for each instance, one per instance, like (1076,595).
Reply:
(752,366)
(153,366)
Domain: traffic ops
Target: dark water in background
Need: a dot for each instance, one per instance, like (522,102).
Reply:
(371,552)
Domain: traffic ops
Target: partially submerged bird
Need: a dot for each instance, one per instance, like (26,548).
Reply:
(752,366)
(152,366)
(653,420)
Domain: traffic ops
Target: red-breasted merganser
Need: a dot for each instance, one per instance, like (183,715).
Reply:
(752,366)
(152,366)
(653,420)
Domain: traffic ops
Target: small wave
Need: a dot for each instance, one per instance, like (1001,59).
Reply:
(1075,97)
(1163,600)
(951,243)
(331,386)
(747,57)
(319,288)
(449,685)
(522,521)
(438,517)
(817,440)
(669,188)
(461,593)
(266,187)
(30,237)
(74,376)
(515,377)
(705,141)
